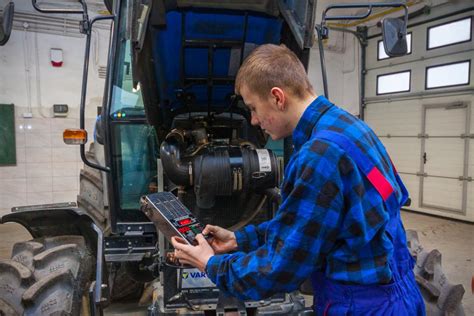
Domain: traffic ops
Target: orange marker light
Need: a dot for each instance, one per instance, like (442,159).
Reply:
(75,136)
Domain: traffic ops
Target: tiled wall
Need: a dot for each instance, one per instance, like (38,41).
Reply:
(47,170)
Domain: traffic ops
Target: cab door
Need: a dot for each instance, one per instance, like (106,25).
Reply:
(300,17)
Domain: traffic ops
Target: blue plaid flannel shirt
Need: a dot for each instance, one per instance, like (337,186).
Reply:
(331,218)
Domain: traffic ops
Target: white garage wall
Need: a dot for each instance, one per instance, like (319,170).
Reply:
(342,66)
(18,64)
(47,170)
(342,55)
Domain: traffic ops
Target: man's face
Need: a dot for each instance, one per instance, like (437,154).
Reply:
(266,114)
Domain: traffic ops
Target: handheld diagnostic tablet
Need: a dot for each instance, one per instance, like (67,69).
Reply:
(171,217)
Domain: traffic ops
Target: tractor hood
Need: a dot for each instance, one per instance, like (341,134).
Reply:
(185,54)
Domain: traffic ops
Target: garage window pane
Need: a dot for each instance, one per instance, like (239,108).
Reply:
(450,33)
(393,83)
(448,75)
(383,55)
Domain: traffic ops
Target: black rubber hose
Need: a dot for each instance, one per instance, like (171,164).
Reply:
(175,169)
(274,195)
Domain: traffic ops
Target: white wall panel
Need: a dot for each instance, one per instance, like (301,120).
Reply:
(396,118)
(442,193)
(470,199)
(445,122)
(405,153)
(48,85)
(444,157)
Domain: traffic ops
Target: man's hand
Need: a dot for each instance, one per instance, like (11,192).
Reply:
(196,256)
(222,240)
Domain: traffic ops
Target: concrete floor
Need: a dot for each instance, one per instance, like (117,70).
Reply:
(453,239)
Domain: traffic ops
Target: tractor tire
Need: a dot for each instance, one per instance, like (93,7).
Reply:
(91,192)
(45,276)
(91,199)
(123,287)
(441,297)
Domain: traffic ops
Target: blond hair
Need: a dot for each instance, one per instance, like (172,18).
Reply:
(269,66)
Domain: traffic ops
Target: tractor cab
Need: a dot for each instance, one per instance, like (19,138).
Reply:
(174,70)
(172,122)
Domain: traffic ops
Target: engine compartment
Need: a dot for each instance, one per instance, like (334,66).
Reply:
(218,167)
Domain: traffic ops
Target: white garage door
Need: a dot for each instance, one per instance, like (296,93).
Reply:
(420,107)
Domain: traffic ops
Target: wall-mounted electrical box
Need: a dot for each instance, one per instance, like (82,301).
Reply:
(60,110)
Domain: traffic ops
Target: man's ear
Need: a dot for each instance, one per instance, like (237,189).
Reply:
(279,98)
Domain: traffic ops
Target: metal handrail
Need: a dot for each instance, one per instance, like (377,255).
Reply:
(85,73)
(61,11)
(369,7)
(322,29)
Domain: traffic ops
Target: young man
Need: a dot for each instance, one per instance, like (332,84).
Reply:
(339,220)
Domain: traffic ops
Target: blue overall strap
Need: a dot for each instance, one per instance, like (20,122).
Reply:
(400,184)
